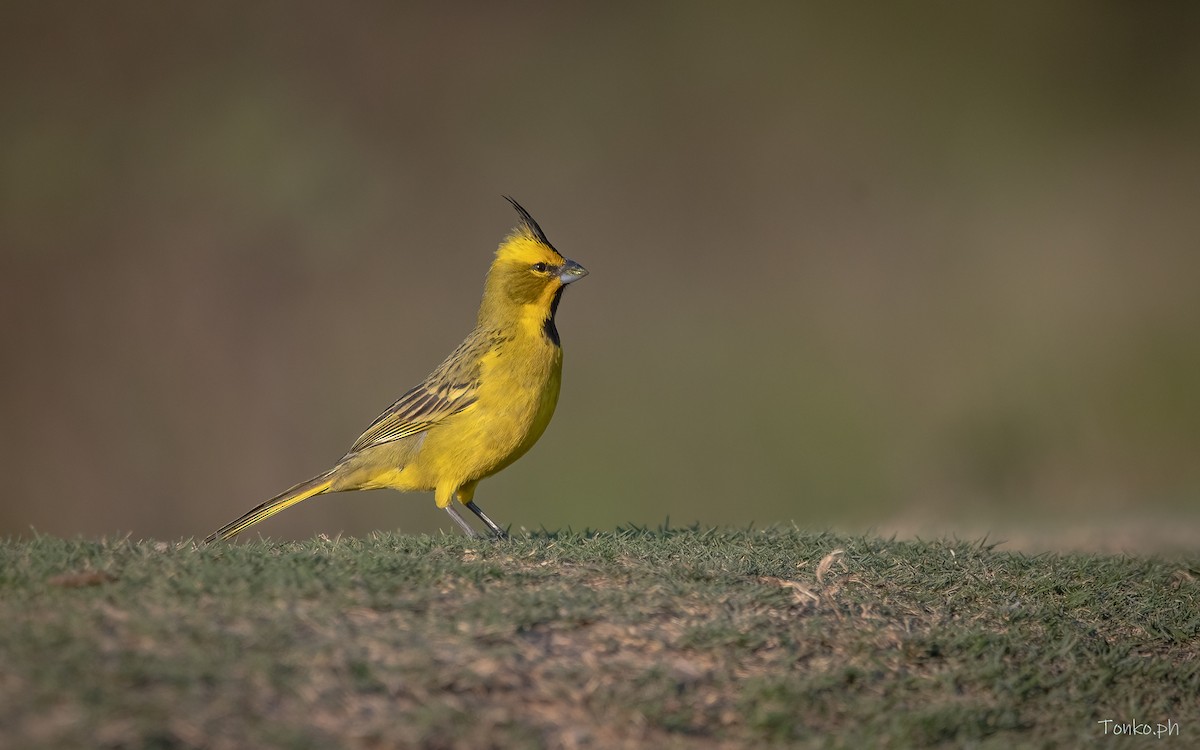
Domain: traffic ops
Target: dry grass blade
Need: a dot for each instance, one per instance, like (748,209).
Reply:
(803,594)
(827,563)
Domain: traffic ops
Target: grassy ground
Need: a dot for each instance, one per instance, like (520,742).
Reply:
(636,638)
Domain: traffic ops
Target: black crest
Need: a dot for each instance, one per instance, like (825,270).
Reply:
(528,222)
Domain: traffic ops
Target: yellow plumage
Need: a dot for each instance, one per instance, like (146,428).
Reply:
(480,410)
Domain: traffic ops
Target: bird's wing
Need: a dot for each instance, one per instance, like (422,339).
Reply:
(449,389)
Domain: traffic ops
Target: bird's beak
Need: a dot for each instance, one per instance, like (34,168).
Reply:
(571,271)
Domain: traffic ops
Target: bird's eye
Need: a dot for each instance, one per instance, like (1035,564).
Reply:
(539,267)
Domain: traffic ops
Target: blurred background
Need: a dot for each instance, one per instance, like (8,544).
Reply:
(889,270)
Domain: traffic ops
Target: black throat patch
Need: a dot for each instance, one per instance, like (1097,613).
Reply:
(548,326)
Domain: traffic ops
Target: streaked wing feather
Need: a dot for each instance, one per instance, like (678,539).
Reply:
(452,387)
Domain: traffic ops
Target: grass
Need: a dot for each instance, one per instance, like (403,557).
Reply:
(638,638)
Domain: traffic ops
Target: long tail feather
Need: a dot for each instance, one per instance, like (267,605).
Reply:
(315,486)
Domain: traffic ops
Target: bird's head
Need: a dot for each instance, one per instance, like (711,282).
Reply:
(528,275)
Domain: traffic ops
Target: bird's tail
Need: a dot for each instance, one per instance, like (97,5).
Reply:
(315,486)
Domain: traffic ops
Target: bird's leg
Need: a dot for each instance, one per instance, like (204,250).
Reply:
(462,523)
(499,532)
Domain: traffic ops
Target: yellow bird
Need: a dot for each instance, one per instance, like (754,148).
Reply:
(480,410)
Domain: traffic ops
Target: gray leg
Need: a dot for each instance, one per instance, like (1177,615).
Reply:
(462,523)
(499,532)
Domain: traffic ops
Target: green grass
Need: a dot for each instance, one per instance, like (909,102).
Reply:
(641,638)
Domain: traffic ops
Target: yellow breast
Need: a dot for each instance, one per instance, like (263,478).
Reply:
(518,391)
